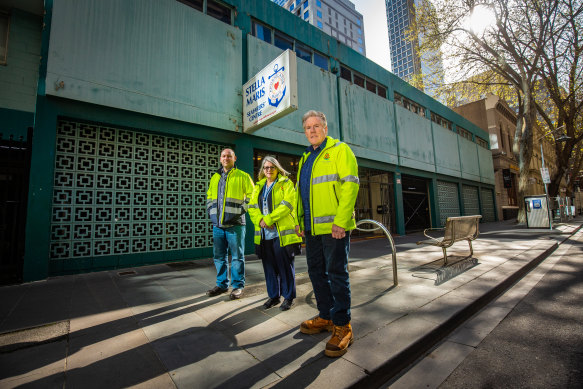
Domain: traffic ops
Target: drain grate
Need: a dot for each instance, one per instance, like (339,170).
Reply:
(180,265)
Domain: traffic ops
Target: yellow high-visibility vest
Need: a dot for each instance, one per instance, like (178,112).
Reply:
(334,187)
(238,191)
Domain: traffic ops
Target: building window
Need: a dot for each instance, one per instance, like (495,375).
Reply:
(382,91)
(196,4)
(345,74)
(262,32)
(358,80)
(306,15)
(214,9)
(319,3)
(319,13)
(320,25)
(441,121)
(359,31)
(283,42)
(409,104)
(359,41)
(321,61)
(358,22)
(291,7)
(481,142)
(218,11)
(464,133)
(303,53)
(360,50)
(4,28)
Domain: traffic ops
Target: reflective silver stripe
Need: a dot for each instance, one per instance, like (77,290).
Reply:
(213,211)
(326,178)
(287,204)
(258,233)
(232,200)
(323,219)
(350,179)
(287,232)
(253,206)
(338,144)
(232,210)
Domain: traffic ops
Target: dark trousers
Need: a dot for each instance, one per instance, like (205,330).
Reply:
(278,267)
(328,269)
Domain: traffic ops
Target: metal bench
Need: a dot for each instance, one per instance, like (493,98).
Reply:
(456,229)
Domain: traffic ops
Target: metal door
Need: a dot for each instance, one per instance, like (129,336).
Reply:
(415,204)
(487,205)
(447,196)
(14,173)
(471,200)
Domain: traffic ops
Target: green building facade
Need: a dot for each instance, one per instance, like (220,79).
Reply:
(136,98)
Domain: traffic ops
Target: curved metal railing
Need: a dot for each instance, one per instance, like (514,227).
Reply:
(389,237)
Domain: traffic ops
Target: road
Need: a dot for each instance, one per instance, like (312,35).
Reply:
(536,343)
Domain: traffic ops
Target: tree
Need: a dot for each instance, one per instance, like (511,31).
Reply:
(562,78)
(503,40)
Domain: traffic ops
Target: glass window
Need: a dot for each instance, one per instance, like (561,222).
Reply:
(196,4)
(359,41)
(319,13)
(4,27)
(320,25)
(345,73)
(218,11)
(359,31)
(382,91)
(262,32)
(298,2)
(358,22)
(291,7)
(371,86)
(283,42)
(319,3)
(306,15)
(360,49)
(304,53)
(359,80)
(320,61)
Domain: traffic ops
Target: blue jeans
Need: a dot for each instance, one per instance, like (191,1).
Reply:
(327,259)
(225,240)
(278,267)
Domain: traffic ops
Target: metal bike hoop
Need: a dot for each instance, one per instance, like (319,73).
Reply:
(380,226)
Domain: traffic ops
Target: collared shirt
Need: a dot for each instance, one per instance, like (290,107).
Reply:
(221,196)
(305,183)
(268,233)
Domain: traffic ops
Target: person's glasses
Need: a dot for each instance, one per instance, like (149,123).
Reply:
(269,168)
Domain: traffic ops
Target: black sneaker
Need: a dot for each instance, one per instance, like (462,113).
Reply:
(236,294)
(216,291)
(287,304)
(271,302)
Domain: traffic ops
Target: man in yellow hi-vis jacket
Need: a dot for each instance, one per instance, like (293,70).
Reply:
(327,190)
(228,195)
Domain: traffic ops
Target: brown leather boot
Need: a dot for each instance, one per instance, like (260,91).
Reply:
(316,325)
(341,338)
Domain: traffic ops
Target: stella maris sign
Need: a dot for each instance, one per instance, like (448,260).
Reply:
(271,94)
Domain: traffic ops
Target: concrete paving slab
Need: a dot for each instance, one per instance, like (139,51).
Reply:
(33,365)
(435,368)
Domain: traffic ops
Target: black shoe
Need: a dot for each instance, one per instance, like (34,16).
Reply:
(216,291)
(271,302)
(287,304)
(236,294)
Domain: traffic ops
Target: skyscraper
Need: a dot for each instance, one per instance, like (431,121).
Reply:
(338,18)
(404,56)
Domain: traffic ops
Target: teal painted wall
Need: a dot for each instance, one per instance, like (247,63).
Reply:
(415,140)
(19,77)
(469,159)
(447,159)
(368,123)
(155,57)
(486,166)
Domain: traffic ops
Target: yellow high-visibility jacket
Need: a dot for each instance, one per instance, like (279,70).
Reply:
(333,188)
(238,191)
(283,214)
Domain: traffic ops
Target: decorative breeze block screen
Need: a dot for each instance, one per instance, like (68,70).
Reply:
(118,191)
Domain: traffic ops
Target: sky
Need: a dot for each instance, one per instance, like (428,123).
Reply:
(376,35)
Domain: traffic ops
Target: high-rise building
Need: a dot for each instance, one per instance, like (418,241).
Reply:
(338,18)
(405,60)
(404,54)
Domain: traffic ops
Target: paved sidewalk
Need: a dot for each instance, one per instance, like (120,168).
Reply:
(154,327)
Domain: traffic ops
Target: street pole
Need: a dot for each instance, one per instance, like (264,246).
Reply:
(546,191)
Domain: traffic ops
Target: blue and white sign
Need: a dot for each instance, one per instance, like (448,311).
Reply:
(271,93)
(536,204)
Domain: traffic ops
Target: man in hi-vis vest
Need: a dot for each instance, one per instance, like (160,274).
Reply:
(228,194)
(327,189)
